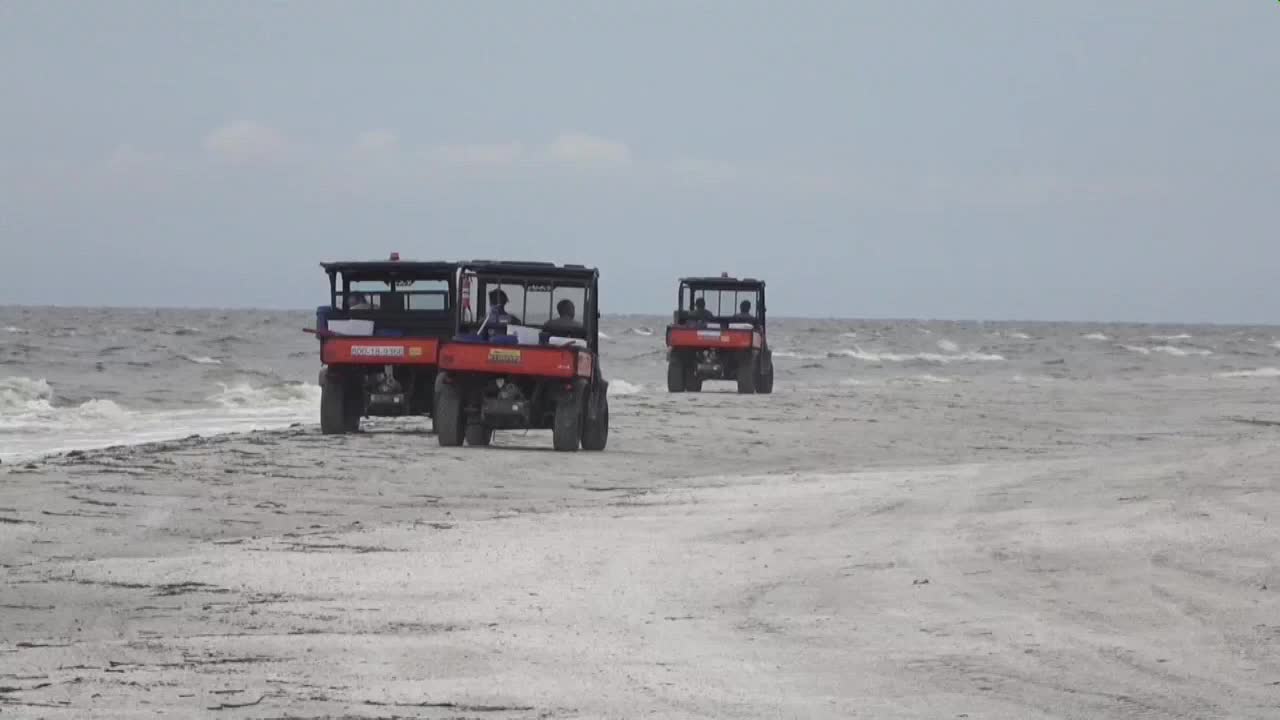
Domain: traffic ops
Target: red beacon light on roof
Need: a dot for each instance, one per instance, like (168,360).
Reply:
(395,256)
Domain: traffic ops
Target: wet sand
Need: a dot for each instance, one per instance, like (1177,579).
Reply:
(1055,549)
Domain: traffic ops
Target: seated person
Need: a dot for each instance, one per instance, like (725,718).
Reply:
(700,313)
(563,324)
(357,301)
(744,313)
(498,316)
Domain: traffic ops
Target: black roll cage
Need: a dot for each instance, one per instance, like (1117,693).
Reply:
(495,273)
(396,274)
(689,287)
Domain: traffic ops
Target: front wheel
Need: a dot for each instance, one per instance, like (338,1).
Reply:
(448,415)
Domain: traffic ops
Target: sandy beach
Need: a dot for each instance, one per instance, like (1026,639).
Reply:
(1054,549)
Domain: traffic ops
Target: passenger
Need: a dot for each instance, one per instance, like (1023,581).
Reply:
(357,301)
(744,312)
(498,314)
(564,321)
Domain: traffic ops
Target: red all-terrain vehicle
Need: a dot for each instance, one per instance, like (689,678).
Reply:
(720,336)
(379,338)
(526,356)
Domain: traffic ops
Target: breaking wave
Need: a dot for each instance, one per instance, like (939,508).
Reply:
(937,358)
(245,396)
(201,359)
(33,423)
(1179,336)
(1266,372)
(641,331)
(1095,336)
(1167,350)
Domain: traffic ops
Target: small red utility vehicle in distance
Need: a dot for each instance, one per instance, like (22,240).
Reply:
(719,333)
(379,336)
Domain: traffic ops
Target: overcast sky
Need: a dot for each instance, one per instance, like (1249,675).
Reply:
(1085,160)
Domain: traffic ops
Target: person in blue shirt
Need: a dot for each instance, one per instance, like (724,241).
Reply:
(498,317)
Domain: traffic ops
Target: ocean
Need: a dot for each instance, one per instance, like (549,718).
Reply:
(81,378)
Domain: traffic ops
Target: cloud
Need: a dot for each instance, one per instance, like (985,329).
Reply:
(703,172)
(377,142)
(588,151)
(246,143)
(481,155)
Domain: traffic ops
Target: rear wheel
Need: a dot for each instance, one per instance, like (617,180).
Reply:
(692,382)
(448,415)
(332,418)
(764,382)
(675,374)
(566,434)
(352,402)
(595,434)
(748,368)
(479,434)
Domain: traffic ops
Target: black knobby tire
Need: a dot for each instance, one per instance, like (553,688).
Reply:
(448,416)
(332,420)
(479,434)
(566,434)
(748,368)
(675,374)
(595,431)
(764,382)
(692,383)
(352,402)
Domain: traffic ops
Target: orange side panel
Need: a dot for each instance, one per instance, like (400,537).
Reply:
(701,339)
(514,360)
(379,351)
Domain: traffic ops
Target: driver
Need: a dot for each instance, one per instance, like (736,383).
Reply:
(744,313)
(700,312)
(358,301)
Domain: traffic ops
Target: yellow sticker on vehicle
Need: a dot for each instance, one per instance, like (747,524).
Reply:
(506,357)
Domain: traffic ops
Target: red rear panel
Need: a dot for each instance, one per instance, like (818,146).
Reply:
(700,339)
(379,351)
(515,360)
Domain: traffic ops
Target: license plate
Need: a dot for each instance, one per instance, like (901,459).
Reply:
(377,351)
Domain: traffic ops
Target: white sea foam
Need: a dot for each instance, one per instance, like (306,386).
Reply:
(938,358)
(1266,372)
(1179,336)
(32,424)
(948,346)
(202,360)
(1095,336)
(641,331)
(1168,350)
(622,387)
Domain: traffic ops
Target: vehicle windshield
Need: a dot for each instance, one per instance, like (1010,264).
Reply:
(720,303)
(531,302)
(405,295)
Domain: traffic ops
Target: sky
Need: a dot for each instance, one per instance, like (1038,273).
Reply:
(991,159)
